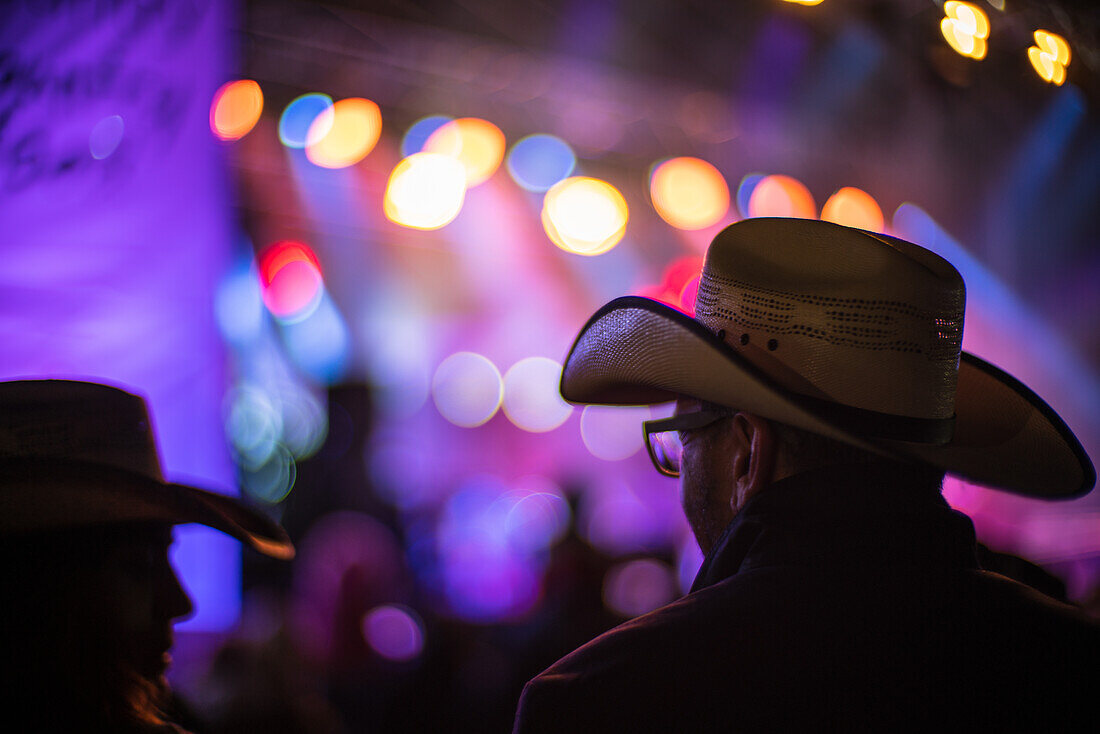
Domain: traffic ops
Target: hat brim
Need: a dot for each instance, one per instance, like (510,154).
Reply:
(637,351)
(45,495)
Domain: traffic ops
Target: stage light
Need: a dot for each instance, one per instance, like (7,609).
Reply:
(613,433)
(105,137)
(854,207)
(290,280)
(419,132)
(477,144)
(239,306)
(354,126)
(467,389)
(804,2)
(296,122)
(585,216)
(395,632)
(689,193)
(965,27)
(236,109)
(1049,56)
(537,162)
(425,191)
(637,587)
(781,196)
(531,398)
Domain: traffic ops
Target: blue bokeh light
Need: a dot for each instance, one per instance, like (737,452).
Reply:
(745,189)
(420,131)
(105,137)
(537,162)
(296,119)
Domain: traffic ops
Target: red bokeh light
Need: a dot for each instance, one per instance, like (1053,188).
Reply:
(290,276)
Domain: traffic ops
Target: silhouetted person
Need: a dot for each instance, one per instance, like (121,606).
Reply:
(85,527)
(821,395)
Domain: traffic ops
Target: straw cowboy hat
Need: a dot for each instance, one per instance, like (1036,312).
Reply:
(842,332)
(77,454)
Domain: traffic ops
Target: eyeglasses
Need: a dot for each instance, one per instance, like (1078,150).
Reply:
(663,437)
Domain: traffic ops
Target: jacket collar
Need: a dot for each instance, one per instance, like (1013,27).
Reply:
(874,516)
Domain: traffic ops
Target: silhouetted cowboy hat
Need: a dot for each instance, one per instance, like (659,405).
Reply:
(842,332)
(76,454)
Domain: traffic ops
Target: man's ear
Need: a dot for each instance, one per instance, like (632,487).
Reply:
(754,457)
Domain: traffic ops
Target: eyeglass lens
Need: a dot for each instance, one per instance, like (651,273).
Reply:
(667,450)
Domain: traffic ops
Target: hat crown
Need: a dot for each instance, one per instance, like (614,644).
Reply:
(839,314)
(68,420)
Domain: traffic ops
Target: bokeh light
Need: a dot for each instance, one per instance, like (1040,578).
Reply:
(689,193)
(467,389)
(239,306)
(419,132)
(537,162)
(354,126)
(782,196)
(537,514)
(105,137)
(585,216)
(395,632)
(296,122)
(638,586)
(271,481)
(613,433)
(745,189)
(253,424)
(290,280)
(531,398)
(425,191)
(965,27)
(854,207)
(486,576)
(236,109)
(318,343)
(1049,56)
(477,144)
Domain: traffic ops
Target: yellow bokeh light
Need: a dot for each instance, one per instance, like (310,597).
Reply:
(805,2)
(854,207)
(477,144)
(689,193)
(236,109)
(353,127)
(585,216)
(965,27)
(425,191)
(1049,56)
(782,196)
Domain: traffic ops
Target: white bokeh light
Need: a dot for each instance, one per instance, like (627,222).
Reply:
(467,389)
(613,433)
(531,398)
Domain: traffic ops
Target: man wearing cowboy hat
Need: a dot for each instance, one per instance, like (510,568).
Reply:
(820,397)
(85,526)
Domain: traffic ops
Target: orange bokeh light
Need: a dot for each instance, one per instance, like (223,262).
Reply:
(585,216)
(782,196)
(354,126)
(689,193)
(965,28)
(425,191)
(477,144)
(1049,56)
(854,207)
(236,109)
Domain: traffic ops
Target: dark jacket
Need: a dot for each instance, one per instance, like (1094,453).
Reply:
(842,600)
